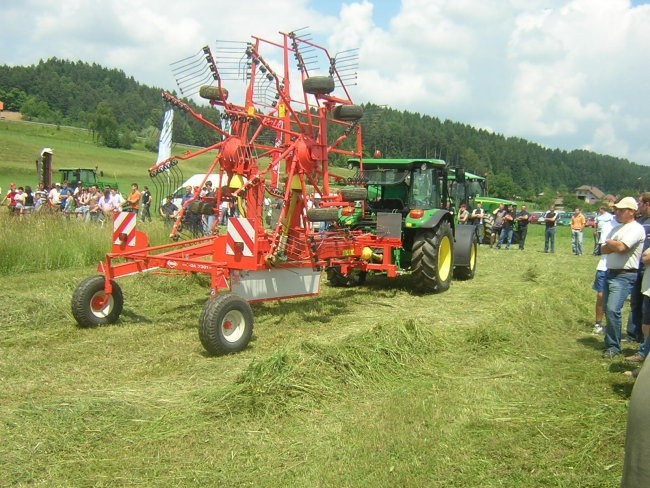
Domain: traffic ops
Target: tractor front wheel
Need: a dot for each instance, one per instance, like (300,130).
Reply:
(432,259)
(90,305)
(226,324)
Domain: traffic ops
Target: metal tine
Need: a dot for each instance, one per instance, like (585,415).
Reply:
(193,74)
(193,56)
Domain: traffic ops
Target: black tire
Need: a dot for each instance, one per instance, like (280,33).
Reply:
(318,85)
(354,278)
(432,259)
(322,214)
(352,194)
(226,324)
(212,93)
(86,302)
(347,113)
(468,272)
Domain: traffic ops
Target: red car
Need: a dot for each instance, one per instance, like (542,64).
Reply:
(591,220)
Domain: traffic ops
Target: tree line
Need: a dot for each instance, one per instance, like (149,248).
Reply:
(117,110)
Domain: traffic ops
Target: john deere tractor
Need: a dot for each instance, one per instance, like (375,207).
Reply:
(415,193)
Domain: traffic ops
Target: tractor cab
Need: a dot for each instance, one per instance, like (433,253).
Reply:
(87,176)
(466,187)
(401,185)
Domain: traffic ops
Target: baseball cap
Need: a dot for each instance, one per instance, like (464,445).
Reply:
(627,202)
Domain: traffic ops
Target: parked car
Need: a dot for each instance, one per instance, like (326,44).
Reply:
(565,218)
(591,219)
(536,218)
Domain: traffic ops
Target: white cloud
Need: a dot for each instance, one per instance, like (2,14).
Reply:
(569,74)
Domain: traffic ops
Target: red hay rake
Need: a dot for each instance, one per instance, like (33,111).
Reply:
(272,130)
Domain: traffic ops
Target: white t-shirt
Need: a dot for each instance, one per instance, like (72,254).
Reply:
(632,235)
(606,229)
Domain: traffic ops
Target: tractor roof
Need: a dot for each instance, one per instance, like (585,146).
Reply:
(370,163)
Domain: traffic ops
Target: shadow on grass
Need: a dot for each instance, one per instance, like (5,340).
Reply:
(136,318)
(593,342)
(623,390)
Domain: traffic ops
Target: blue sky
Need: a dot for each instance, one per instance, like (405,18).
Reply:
(568,74)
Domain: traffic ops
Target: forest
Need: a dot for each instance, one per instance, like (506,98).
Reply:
(118,110)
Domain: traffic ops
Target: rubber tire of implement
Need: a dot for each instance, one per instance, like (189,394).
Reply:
(322,214)
(86,292)
(351,194)
(432,259)
(226,324)
(212,93)
(318,85)
(336,278)
(347,113)
(467,272)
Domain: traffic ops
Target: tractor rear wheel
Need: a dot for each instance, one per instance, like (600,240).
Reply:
(226,324)
(432,259)
(90,306)
(355,277)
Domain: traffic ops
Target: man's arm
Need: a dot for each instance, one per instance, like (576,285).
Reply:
(612,246)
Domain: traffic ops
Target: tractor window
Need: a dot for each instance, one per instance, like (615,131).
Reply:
(424,191)
(384,176)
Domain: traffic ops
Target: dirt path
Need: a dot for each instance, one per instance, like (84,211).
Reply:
(11,115)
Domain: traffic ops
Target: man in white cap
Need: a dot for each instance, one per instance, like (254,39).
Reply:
(623,248)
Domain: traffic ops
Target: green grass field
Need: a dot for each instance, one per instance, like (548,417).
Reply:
(496,383)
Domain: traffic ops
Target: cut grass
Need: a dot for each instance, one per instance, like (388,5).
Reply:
(497,382)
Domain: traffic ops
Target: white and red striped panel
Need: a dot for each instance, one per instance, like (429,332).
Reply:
(124,223)
(240,237)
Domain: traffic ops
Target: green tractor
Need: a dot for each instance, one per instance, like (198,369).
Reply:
(408,198)
(87,176)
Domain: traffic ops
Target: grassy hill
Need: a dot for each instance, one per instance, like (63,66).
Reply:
(21,143)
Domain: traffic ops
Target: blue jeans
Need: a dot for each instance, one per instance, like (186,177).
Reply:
(505,236)
(617,288)
(549,239)
(576,241)
(635,319)
(645,347)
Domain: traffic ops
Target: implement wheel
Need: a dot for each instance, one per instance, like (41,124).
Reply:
(351,194)
(212,93)
(432,260)
(348,113)
(322,214)
(226,324)
(353,278)
(318,85)
(90,306)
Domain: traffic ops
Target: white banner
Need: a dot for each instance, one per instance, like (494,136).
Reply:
(165,142)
